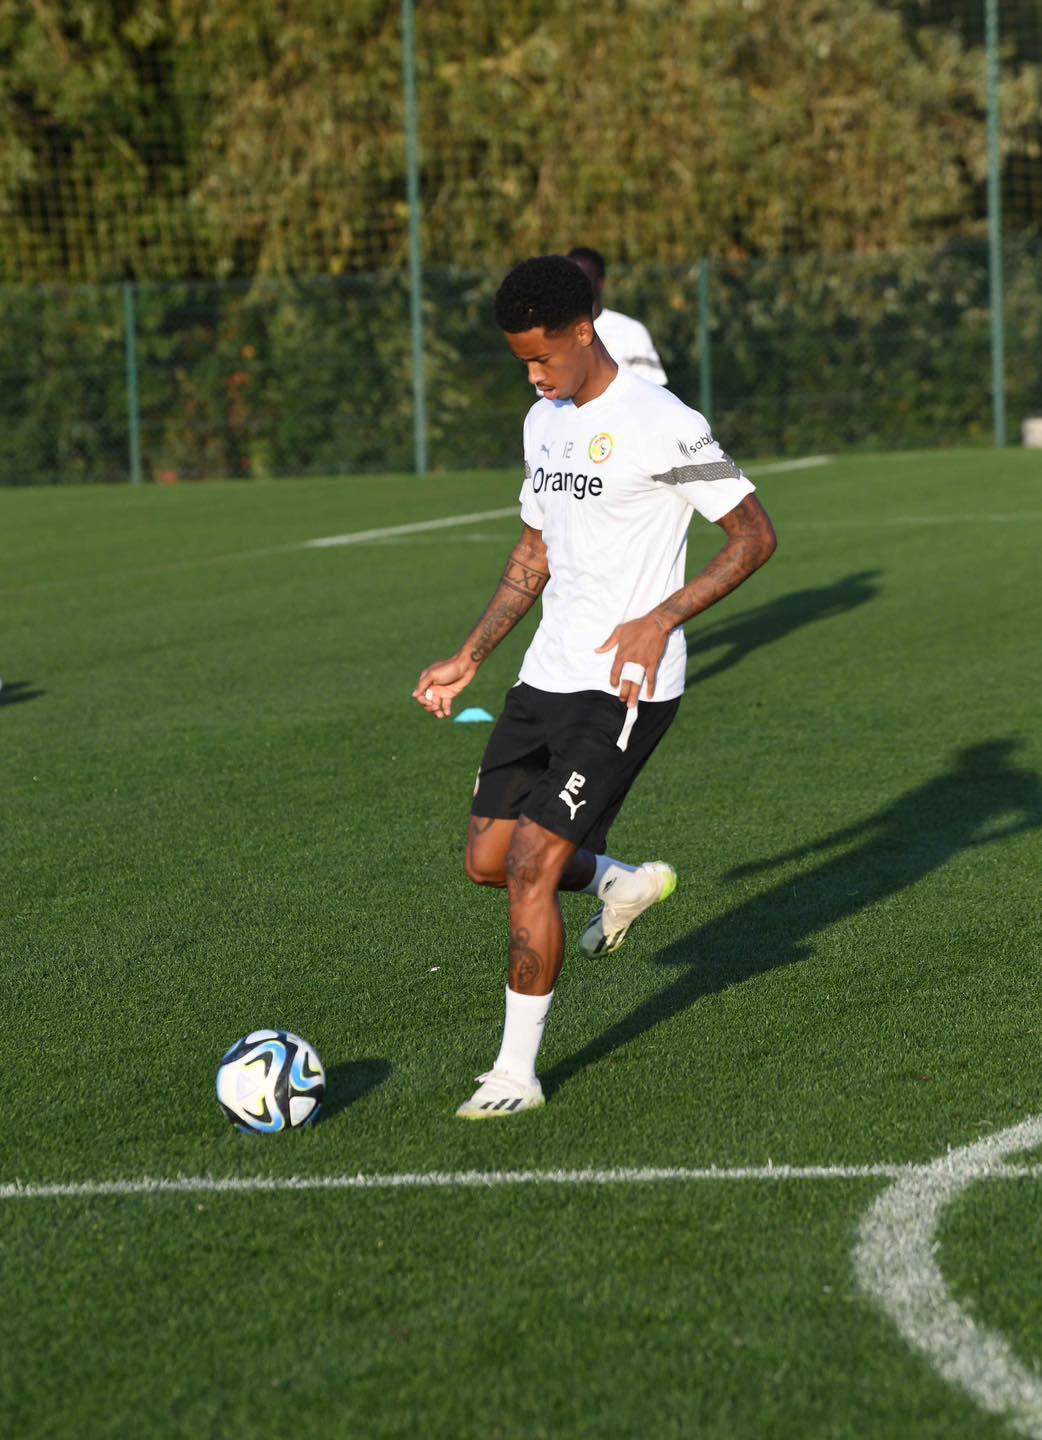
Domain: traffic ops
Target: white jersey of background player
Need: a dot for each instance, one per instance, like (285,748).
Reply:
(626,340)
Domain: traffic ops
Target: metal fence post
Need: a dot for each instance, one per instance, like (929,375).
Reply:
(419,385)
(705,353)
(996,284)
(133,407)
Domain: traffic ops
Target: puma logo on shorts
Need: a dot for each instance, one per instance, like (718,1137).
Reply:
(572,786)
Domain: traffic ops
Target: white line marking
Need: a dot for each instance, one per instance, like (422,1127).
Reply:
(875,523)
(446,522)
(358,537)
(880,522)
(896,1263)
(492,1179)
(895,1258)
(779,467)
(467,537)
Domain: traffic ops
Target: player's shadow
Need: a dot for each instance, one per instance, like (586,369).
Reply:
(350,1082)
(13,692)
(981,800)
(774,620)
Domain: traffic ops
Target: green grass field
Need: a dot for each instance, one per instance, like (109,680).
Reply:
(221,810)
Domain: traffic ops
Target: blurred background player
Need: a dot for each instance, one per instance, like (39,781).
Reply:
(626,340)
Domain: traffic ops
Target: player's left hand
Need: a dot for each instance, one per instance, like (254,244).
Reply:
(637,644)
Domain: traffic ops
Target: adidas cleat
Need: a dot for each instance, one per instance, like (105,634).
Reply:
(501,1094)
(610,926)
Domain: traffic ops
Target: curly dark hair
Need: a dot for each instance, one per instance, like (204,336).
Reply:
(592,256)
(547,292)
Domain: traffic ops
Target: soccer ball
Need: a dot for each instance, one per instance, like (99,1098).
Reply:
(270,1081)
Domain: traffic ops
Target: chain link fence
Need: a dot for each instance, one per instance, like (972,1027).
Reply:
(794,197)
(283,378)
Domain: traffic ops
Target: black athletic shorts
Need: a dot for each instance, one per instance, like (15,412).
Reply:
(559,760)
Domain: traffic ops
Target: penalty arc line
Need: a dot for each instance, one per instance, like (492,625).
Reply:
(896,1264)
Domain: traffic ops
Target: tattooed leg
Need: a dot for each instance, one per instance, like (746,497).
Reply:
(534,867)
(488,843)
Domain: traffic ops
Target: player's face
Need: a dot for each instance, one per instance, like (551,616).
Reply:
(559,363)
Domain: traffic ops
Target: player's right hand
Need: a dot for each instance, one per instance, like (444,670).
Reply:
(638,644)
(441,682)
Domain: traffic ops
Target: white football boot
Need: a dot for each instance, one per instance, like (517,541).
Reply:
(501,1094)
(610,926)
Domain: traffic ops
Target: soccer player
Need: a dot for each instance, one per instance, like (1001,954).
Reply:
(614,467)
(626,340)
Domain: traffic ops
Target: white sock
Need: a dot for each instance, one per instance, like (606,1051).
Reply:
(618,880)
(605,867)
(522,1033)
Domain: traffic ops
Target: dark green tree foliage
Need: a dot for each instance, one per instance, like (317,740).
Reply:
(283,377)
(243,164)
(188,139)
(1020,38)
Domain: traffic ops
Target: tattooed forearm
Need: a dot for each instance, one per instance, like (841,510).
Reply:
(750,543)
(724,573)
(524,577)
(519,588)
(673,611)
(498,620)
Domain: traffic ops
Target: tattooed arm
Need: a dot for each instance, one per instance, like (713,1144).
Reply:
(750,542)
(520,586)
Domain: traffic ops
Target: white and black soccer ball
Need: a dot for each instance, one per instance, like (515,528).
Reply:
(270,1081)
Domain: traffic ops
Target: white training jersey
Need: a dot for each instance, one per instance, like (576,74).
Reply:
(612,484)
(630,345)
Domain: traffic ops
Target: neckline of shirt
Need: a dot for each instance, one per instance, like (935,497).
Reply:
(614,384)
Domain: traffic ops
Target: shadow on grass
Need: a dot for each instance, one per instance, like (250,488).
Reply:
(775,620)
(350,1082)
(13,692)
(981,800)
